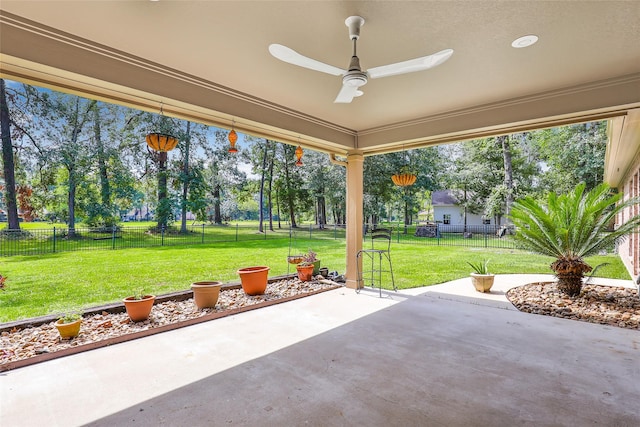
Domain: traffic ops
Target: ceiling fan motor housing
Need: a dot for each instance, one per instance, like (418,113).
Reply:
(355,78)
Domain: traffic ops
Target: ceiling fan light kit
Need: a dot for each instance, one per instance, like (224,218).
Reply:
(354,77)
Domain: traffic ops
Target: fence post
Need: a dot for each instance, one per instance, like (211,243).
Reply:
(54,240)
(335,231)
(398,234)
(310,226)
(438,233)
(236,231)
(485,236)
(162,233)
(113,237)
(202,232)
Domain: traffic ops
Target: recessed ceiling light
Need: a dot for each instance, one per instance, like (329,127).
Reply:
(524,41)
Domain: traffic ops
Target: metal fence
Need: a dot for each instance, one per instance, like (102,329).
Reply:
(52,240)
(45,241)
(479,236)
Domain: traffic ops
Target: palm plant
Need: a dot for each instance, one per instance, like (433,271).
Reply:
(571,227)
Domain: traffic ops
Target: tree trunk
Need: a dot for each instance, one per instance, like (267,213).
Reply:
(570,273)
(465,209)
(322,212)
(13,222)
(262,178)
(185,182)
(278,208)
(269,191)
(217,216)
(508,173)
(105,188)
(161,209)
(71,162)
(289,192)
(71,202)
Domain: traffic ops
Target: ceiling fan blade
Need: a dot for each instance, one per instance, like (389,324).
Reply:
(347,93)
(418,64)
(289,55)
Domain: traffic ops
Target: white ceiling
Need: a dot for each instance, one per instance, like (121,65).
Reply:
(593,45)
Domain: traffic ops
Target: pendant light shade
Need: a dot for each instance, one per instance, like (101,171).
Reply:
(161,142)
(232,137)
(299,153)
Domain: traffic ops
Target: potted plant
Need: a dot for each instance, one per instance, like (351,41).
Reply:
(481,278)
(205,294)
(139,306)
(305,271)
(254,279)
(69,325)
(312,258)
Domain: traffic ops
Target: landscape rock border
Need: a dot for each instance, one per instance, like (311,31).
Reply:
(606,305)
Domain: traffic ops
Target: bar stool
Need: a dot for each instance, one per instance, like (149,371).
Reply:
(379,251)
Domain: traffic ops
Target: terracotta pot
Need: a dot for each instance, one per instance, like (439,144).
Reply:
(254,279)
(482,282)
(139,309)
(305,272)
(68,330)
(205,294)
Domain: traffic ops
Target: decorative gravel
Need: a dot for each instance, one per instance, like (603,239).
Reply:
(26,343)
(607,305)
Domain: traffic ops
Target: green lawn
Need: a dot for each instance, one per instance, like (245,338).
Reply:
(55,283)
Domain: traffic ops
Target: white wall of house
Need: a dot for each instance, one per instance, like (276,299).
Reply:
(629,249)
(457,215)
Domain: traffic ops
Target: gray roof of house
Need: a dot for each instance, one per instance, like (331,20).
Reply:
(443,198)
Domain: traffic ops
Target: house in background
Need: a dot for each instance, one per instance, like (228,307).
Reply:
(622,171)
(448,211)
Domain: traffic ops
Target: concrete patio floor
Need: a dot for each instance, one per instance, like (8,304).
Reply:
(438,356)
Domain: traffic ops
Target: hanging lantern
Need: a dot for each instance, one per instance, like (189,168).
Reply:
(299,153)
(404,179)
(161,142)
(232,137)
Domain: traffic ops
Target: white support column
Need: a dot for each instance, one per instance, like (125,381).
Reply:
(355,173)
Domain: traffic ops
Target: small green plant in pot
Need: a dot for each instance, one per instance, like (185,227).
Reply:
(481,278)
(68,325)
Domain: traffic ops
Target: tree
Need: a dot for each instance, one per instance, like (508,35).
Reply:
(8,165)
(221,179)
(164,208)
(571,154)
(272,156)
(288,152)
(508,172)
(263,175)
(378,187)
(571,227)
(186,177)
(65,143)
(101,212)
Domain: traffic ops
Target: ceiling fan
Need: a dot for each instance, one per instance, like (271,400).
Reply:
(354,77)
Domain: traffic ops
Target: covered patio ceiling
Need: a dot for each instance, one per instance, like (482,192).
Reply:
(209,62)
